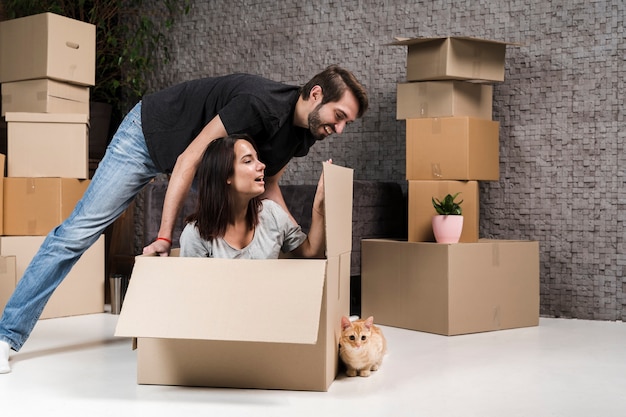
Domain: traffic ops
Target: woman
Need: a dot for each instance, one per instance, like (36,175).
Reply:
(231,221)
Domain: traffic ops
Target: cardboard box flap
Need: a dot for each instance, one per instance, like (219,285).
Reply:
(413,41)
(247,300)
(338,205)
(46,117)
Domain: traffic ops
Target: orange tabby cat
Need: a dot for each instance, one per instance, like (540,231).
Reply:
(362,346)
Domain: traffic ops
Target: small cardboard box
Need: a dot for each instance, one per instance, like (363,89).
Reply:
(48,145)
(8,278)
(34,206)
(452,148)
(44,95)
(47,45)
(454,58)
(444,99)
(421,210)
(81,292)
(270,324)
(451,289)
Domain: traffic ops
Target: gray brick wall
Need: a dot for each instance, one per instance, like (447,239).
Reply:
(560,108)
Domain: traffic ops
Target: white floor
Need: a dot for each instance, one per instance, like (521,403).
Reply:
(76,367)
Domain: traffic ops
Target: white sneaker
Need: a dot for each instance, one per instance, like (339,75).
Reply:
(4,357)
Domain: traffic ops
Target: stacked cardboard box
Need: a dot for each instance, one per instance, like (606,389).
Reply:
(452,143)
(47,63)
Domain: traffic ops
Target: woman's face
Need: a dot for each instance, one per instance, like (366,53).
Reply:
(248,178)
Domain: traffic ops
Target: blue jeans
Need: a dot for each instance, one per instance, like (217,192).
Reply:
(125,169)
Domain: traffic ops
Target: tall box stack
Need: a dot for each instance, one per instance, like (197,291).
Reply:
(452,144)
(47,63)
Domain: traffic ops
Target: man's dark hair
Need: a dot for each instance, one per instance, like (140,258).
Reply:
(334,81)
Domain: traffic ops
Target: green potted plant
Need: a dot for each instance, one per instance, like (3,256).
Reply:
(448,223)
(127,43)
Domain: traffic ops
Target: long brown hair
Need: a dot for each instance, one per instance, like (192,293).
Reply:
(215,201)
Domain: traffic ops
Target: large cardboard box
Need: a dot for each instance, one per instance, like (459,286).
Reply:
(48,145)
(444,99)
(451,289)
(82,291)
(452,148)
(421,210)
(44,95)
(47,45)
(34,206)
(454,58)
(271,324)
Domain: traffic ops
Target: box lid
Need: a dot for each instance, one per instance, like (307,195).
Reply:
(47,117)
(414,41)
(273,300)
(338,208)
(224,299)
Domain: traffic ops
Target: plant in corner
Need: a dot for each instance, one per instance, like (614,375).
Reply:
(448,223)
(127,43)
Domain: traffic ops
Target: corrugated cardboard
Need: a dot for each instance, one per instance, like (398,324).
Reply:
(450,58)
(271,324)
(444,99)
(34,206)
(451,289)
(2,169)
(44,96)
(81,292)
(47,45)
(452,148)
(8,278)
(48,145)
(421,210)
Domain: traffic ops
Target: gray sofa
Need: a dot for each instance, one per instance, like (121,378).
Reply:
(378,210)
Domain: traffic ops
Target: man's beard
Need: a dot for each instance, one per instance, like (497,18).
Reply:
(315,123)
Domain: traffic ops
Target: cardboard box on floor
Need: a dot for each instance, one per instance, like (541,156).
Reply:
(444,99)
(44,95)
(82,291)
(48,45)
(421,210)
(451,289)
(48,145)
(452,148)
(270,324)
(454,58)
(34,206)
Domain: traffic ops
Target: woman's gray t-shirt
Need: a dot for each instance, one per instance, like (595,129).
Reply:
(275,232)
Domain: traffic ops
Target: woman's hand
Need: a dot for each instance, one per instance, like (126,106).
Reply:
(318,201)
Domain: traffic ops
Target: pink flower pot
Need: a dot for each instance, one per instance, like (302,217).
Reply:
(447,228)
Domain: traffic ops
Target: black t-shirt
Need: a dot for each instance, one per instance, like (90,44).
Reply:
(250,104)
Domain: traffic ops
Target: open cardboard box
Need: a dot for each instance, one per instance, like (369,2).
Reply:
(454,58)
(271,324)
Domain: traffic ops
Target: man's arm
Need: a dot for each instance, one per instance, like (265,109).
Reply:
(180,183)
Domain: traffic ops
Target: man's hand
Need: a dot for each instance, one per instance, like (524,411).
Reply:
(160,246)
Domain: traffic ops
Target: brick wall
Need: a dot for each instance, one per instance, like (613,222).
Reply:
(560,108)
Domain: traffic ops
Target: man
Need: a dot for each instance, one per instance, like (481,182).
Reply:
(168,132)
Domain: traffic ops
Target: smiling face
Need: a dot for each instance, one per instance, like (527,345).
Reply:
(332,117)
(248,177)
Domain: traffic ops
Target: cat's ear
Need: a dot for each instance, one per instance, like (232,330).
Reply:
(369,322)
(345,323)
